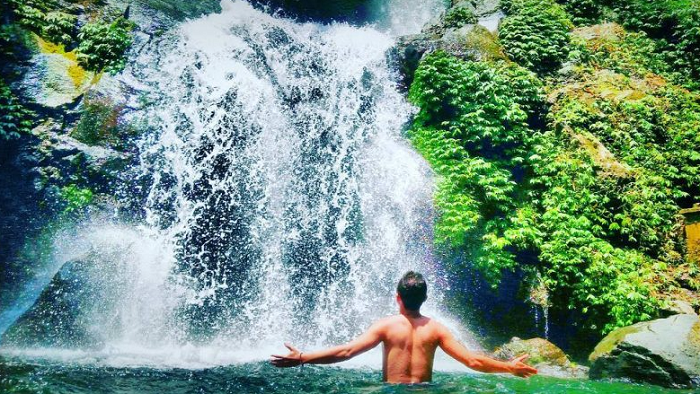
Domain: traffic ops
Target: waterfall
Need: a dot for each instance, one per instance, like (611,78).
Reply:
(283,202)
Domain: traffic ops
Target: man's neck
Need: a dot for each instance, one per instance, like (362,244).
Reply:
(411,314)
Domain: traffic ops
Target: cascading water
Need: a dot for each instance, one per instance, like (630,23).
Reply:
(283,202)
(280,176)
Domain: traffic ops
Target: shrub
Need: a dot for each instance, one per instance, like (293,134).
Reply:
(59,27)
(103,46)
(584,12)
(676,26)
(15,119)
(459,16)
(535,34)
(76,198)
(30,17)
(472,128)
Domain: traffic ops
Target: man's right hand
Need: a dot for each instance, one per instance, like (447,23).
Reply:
(519,368)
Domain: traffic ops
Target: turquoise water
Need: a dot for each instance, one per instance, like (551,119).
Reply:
(22,377)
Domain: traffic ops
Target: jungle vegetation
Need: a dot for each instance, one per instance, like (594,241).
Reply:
(571,160)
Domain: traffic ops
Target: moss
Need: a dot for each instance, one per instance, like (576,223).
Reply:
(76,73)
(609,343)
(694,336)
(485,43)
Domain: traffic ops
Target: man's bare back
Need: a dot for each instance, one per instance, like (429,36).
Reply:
(410,341)
(409,348)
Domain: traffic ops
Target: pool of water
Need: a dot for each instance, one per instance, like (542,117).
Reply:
(17,376)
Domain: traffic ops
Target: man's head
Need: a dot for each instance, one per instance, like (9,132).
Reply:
(412,290)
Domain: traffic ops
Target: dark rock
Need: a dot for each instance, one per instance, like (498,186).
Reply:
(664,352)
(544,355)
(67,310)
(20,209)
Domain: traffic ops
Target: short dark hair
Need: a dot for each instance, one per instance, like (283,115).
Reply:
(413,290)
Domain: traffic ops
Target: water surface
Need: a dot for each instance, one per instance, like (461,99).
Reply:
(26,377)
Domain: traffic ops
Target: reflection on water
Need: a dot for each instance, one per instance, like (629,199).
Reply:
(21,377)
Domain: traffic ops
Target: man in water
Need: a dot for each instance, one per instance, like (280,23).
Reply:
(410,340)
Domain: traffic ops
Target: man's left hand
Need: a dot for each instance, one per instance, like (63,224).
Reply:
(290,360)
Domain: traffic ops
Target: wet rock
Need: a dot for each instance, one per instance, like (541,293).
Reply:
(549,359)
(68,310)
(54,78)
(664,352)
(471,42)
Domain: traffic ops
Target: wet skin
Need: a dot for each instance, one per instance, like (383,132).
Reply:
(410,340)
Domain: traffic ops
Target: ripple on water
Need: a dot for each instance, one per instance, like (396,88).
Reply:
(21,377)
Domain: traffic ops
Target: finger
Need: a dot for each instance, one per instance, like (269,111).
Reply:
(521,359)
(290,347)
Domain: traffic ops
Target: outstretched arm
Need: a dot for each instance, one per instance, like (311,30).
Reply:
(481,363)
(371,338)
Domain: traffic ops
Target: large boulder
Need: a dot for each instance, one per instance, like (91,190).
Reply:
(664,352)
(78,303)
(549,359)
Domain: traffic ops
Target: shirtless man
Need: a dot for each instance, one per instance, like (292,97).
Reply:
(410,340)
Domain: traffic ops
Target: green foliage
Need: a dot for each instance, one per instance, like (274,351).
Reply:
(76,198)
(584,12)
(472,128)
(30,17)
(15,119)
(535,34)
(593,193)
(32,13)
(59,27)
(103,46)
(676,26)
(459,16)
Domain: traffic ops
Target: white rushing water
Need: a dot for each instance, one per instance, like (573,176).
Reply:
(284,203)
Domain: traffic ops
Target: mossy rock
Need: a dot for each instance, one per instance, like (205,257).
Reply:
(664,352)
(57,79)
(474,42)
(540,350)
(549,359)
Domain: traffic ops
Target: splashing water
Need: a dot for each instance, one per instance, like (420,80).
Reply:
(283,204)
